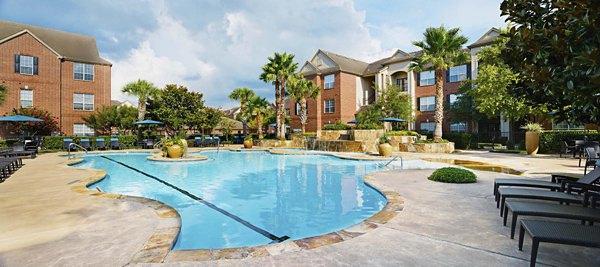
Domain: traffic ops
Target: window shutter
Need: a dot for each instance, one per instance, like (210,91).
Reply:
(448,99)
(35,65)
(469,71)
(17,63)
(418,79)
(418,103)
(448,75)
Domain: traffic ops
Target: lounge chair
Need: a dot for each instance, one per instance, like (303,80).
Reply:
(149,144)
(67,143)
(217,141)
(548,210)
(207,141)
(557,182)
(114,143)
(9,166)
(197,141)
(19,151)
(565,149)
(591,155)
(100,143)
(589,144)
(85,143)
(558,233)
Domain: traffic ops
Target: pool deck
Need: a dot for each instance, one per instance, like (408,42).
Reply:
(50,224)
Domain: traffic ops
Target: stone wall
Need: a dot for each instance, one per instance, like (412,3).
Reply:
(331,135)
(427,147)
(274,143)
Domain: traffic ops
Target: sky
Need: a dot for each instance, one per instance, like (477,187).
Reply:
(213,46)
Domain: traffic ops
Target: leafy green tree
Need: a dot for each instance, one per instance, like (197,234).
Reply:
(243,95)
(280,68)
(554,46)
(144,90)
(2,92)
(209,118)
(394,103)
(104,119)
(258,108)
(491,90)
(464,109)
(300,90)
(45,127)
(369,118)
(441,49)
(227,125)
(177,107)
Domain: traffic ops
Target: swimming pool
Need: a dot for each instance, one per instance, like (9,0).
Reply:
(238,199)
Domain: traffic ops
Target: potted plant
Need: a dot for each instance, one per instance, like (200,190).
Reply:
(385,149)
(532,137)
(173,147)
(248,141)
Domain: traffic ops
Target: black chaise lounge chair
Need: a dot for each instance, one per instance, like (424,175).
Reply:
(114,143)
(9,166)
(558,233)
(554,183)
(19,151)
(100,143)
(566,149)
(548,210)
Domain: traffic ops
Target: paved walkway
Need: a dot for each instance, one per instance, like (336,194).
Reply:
(441,224)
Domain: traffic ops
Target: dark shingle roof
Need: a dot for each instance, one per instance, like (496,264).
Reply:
(488,38)
(74,47)
(347,64)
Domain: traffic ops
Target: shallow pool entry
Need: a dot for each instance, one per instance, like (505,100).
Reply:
(248,199)
(475,165)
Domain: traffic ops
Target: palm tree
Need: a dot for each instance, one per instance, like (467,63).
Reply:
(2,93)
(301,89)
(143,90)
(258,107)
(441,49)
(279,69)
(243,95)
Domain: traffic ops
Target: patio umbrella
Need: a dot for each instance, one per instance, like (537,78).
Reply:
(275,124)
(148,122)
(353,122)
(20,118)
(392,120)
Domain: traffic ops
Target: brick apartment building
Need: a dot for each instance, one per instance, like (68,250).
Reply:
(52,70)
(349,84)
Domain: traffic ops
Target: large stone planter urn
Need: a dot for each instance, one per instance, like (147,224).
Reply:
(248,143)
(532,142)
(385,150)
(175,151)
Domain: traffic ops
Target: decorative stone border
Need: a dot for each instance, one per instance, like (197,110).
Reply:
(189,158)
(158,247)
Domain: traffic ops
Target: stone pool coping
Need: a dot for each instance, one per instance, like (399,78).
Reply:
(189,158)
(157,248)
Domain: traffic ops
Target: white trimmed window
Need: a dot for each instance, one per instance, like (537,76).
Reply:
(329,81)
(426,78)
(453,98)
(427,103)
(26,65)
(297,109)
(26,98)
(427,126)
(402,83)
(80,129)
(566,126)
(83,102)
(457,73)
(458,127)
(83,72)
(329,105)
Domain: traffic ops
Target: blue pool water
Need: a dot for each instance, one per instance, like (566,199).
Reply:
(284,195)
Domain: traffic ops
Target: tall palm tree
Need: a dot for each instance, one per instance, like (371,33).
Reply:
(441,49)
(143,90)
(277,71)
(301,89)
(243,95)
(258,107)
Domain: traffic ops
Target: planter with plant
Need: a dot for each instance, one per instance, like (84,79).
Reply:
(532,137)
(385,149)
(248,141)
(173,147)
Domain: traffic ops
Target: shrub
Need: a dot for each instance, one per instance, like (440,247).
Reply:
(339,125)
(369,126)
(461,140)
(310,134)
(550,140)
(8,142)
(532,127)
(431,141)
(56,142)
(402,133)
(453,175)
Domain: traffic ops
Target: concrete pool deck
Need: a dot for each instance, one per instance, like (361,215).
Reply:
(441,224)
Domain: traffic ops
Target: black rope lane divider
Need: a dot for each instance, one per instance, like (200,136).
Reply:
(274,238)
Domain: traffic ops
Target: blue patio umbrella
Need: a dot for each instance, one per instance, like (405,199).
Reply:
(392,120)
(20,118)
(147,122)
(353,122)
(275,125)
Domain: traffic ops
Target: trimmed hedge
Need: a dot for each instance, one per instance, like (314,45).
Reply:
(460,140)
(56,142)
(338,125)
(7,142)
(550,140)
(453,175)
(402,133)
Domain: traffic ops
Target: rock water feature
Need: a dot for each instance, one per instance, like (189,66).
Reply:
(333,145)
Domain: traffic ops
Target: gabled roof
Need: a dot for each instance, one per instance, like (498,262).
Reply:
(346,64)
(488,38)
(70,46)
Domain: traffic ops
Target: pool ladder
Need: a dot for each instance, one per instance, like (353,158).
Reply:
(74,145)
(394,159)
